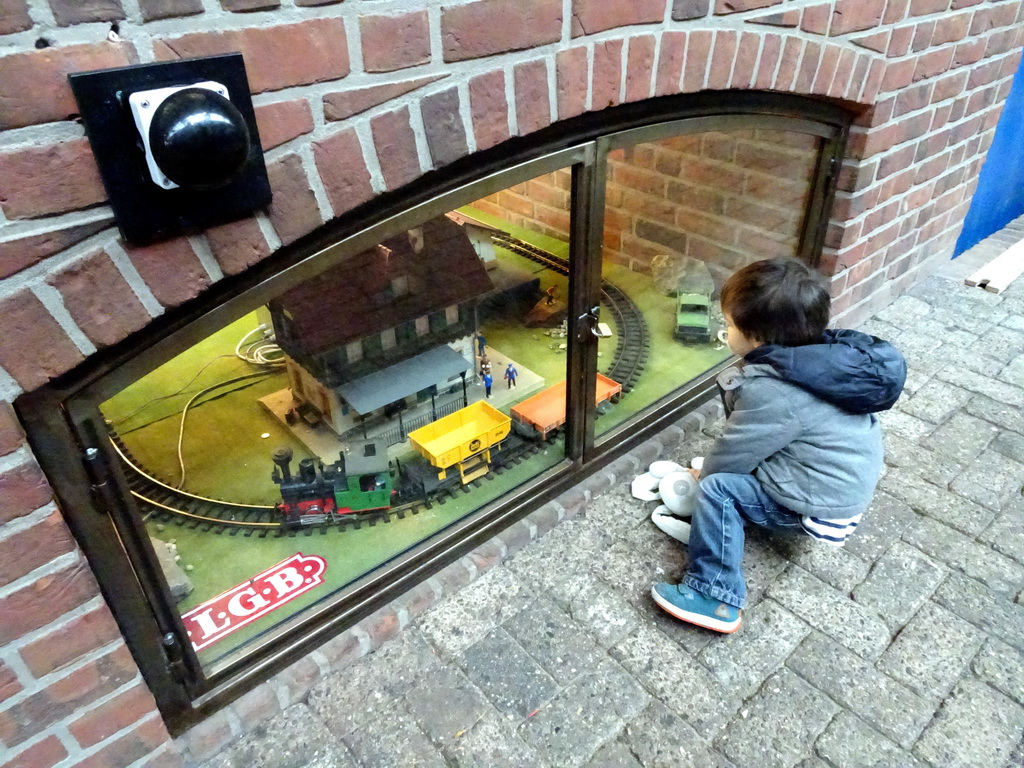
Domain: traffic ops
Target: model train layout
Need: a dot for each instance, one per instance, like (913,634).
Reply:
(363,487)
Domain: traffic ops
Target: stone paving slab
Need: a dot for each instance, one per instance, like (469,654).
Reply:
(904,649)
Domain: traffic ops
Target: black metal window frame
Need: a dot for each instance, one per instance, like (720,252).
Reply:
(67,433)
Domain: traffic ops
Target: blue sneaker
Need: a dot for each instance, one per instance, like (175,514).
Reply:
(687,604)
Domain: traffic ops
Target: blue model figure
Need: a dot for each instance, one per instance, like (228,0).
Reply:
(481,344)
(510,375)
(488,381)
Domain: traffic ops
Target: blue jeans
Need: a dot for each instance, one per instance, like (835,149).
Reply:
(724,502)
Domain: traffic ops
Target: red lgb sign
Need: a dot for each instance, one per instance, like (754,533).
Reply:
(265,592)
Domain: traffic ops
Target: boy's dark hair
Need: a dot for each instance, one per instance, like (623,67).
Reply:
(777,301)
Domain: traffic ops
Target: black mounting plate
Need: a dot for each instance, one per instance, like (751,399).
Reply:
(145,212)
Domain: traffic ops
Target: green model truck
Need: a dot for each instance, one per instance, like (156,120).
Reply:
(693,303)
(693,318)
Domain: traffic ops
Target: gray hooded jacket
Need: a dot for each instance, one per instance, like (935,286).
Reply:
(810,455)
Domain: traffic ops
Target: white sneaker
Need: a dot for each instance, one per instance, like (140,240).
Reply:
(670,524)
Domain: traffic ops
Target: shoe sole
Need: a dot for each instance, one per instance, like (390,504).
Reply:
(725,627)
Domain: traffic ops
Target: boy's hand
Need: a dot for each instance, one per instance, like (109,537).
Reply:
(695,473)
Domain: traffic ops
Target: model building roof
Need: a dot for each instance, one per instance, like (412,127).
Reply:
(385,286)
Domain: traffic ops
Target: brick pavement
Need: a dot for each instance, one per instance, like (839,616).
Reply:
(905,648)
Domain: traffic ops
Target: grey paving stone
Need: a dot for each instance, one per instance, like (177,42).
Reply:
(1002,343)
(1006,533)
(1013,372)
(848,742)
(1002,667)
(642,558)
(605,613)
(834,565)
(574,544)
(927,499)
(465,617)
(935,401)
(1009,444)
(743,660)
(461,705)
(977,560)
(831,612)
(296,738)
(492,743)
(976,726)
(962,352)
(369,688)
(683,685)
(510,679)
(950,336)
(971,600)
(553,640)
(393,740)
(921,351)
(573,548)
(932,651)
(881,526)
(1016,322)
(929,465)
(961,438)
(777,727)
(616,511)
(990,480)
(689,637)
(899,583)
(886,705)
(904,312)
(976,312)
(570,728)
(1001,415)
(875,326)
(915,381)
(903,424)
(982,384)
(762,561)
(660,739)
(613,755)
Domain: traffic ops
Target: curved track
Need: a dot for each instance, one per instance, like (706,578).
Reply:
(634,343)
(162,502)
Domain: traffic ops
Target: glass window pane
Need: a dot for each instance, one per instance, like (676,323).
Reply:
(351,418)
(681,215)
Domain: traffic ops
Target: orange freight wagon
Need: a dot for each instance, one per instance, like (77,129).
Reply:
(539,415)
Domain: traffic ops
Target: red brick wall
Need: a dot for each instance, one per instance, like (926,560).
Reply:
(726,198)
(344,115)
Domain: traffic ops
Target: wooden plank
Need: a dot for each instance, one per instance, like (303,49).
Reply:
(997,275)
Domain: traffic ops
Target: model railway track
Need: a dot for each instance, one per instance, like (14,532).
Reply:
(162,502)
(634,342)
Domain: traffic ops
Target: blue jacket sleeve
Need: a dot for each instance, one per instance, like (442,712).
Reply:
(761,424)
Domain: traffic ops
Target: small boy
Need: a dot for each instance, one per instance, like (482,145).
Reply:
(801,451)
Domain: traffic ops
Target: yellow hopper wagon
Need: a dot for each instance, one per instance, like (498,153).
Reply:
(463,439)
